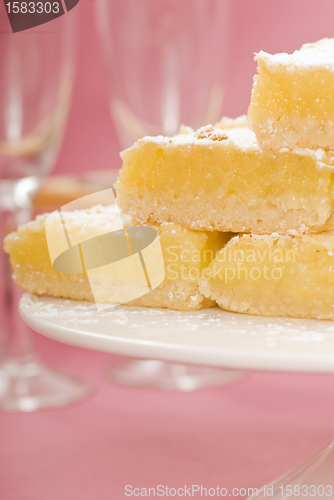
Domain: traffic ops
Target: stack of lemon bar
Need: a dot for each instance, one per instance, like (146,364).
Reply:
(244,208)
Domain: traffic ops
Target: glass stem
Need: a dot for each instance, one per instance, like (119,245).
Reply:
(15,337)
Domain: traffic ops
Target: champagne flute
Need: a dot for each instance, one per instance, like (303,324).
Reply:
(36,75)
(166,62)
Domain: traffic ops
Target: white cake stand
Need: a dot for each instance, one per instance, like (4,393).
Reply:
(209,338)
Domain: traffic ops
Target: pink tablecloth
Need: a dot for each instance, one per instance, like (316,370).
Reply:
(242,435)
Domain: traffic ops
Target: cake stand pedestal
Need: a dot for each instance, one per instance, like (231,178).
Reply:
(208,338)
(169,376)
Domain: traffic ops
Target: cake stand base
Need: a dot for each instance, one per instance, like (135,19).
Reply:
(169,376)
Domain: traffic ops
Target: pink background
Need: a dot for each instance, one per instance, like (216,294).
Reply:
(242,435)
(270,25)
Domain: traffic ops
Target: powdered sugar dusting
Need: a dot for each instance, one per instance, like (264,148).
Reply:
(97,218)
(242,138)
(311,55)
